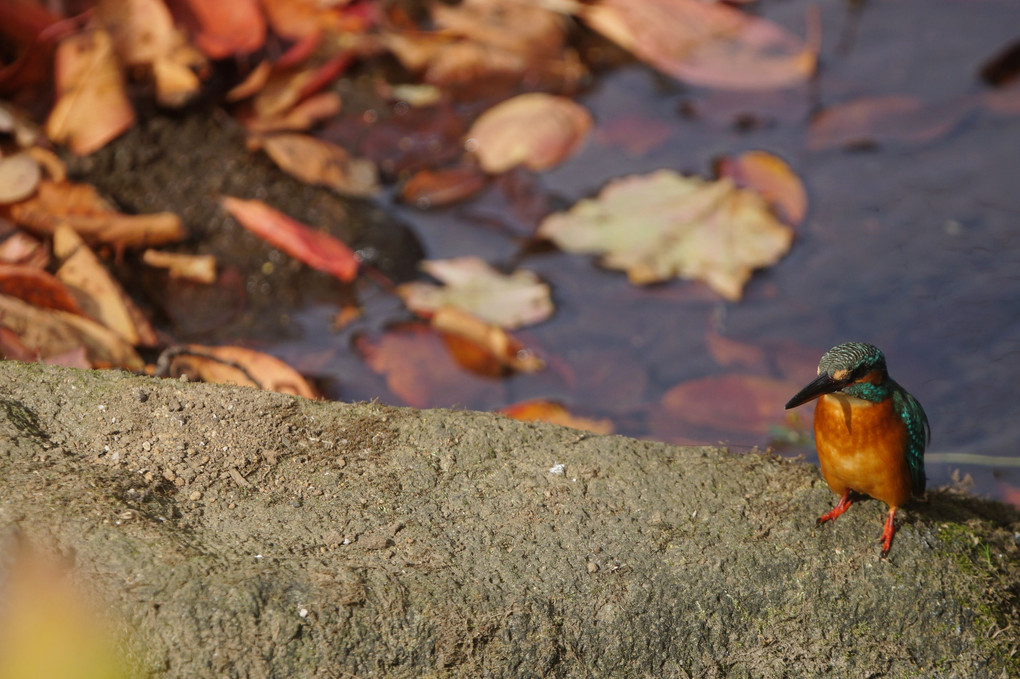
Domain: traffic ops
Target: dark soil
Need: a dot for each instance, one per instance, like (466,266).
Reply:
(238,533)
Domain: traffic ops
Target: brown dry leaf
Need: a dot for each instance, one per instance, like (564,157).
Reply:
(491,340)
(548,411)
(471,284)
(896,118)
(302,116)
(320,162)
(663,224)
(435,188)
(142,30)
(96,291)
(297,19)
(84,210)
(502,40)
(289,85)
(773,178)
(144,34)
(194,268)
(728,407)
(37,287)
(92,107)
(536,130)
(228,364)
(253,82)
(53,333)
(419,369)
(224,29)
(708,44)
(19,176)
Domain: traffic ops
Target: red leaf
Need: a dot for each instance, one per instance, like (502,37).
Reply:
(222,29)
(36,287)
(316,249)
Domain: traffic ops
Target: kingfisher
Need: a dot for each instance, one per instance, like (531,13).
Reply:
(869,431)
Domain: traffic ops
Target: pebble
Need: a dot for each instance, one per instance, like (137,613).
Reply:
(196,495)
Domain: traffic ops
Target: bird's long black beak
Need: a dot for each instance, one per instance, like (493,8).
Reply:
(823,384)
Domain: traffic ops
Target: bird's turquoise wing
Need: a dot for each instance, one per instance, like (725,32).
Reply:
(918,434)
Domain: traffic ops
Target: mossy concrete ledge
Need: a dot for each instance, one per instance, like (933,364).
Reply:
(237,533)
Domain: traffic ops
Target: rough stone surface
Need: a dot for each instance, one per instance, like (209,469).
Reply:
(237,533)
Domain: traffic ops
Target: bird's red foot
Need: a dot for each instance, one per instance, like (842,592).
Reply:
(841,506)
(888,532)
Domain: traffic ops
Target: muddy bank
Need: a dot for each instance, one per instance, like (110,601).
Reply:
(245,534)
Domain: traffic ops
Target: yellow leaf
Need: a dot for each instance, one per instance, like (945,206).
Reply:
(663,224)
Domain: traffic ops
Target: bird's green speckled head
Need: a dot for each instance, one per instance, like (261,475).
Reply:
(851,360)
(854,368)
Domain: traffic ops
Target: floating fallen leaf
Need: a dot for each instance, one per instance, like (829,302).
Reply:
(548,411)
(728,352)
(492,341)
(708,44)
(92,107)
(509,301)
(225,29)
(536,130)
(83,209)
(315,248)
(37,287)
(195,268)
(51,333)
(889,119)
(771,177)
(240,366)
(320,162)
(19,175)
(663,224)
(434,188)
(636,134)
(418,368)
(96,291)
(1003,102)
(729,407)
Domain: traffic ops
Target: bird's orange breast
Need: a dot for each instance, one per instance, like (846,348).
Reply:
(862,447)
